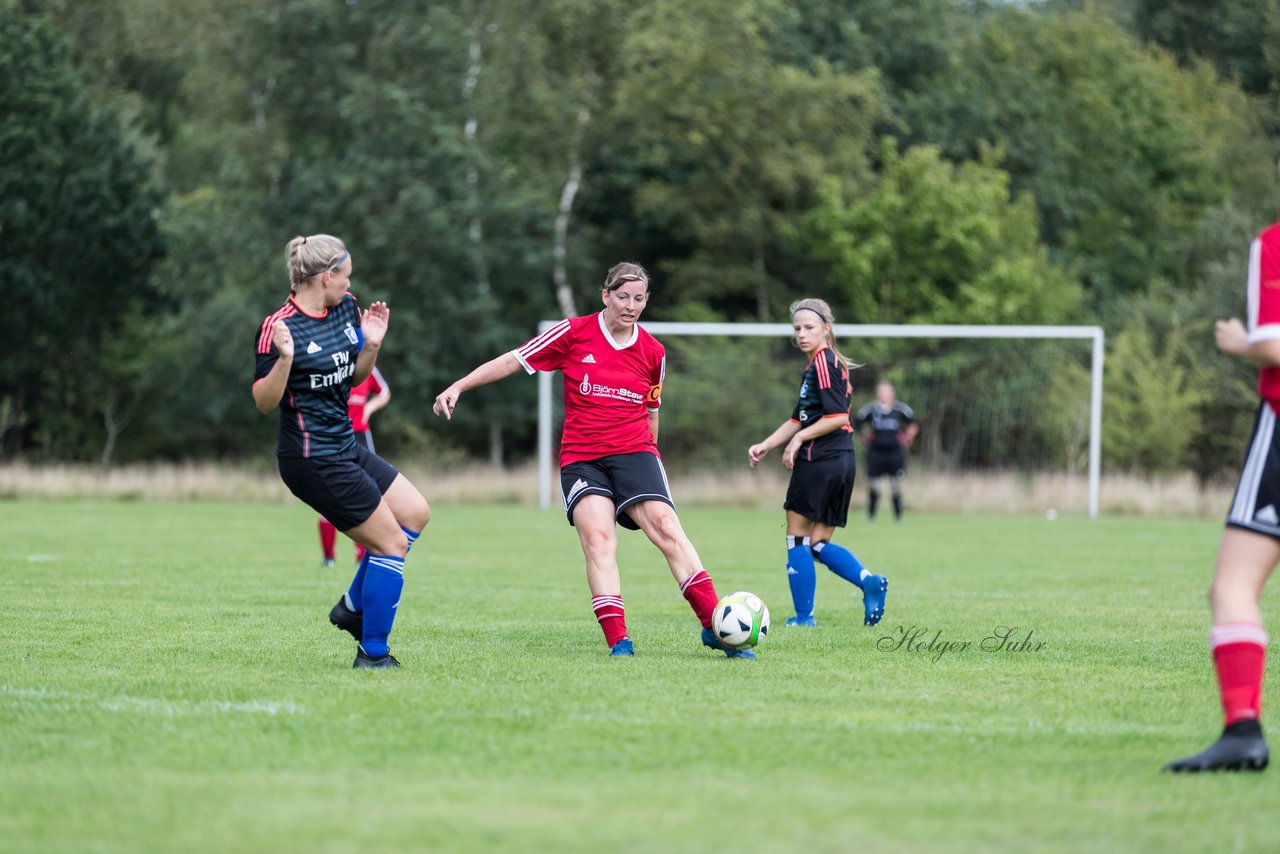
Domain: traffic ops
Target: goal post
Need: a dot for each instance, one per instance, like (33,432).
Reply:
(845,333)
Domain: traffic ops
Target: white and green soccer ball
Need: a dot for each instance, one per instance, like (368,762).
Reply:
(741,620)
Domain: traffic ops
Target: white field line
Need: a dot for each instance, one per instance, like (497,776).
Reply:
(65,700)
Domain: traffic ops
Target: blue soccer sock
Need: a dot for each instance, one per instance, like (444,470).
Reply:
(355,594)
(383,583)
(355,597)
(841,561)
(801,575)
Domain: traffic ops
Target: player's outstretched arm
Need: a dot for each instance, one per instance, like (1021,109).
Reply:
(491,371)
(778,437)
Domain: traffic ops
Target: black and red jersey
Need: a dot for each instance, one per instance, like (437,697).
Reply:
(314,420)
(825,392)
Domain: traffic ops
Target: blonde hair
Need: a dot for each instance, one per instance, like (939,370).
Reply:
(313,255)
(820,308)
(623,272)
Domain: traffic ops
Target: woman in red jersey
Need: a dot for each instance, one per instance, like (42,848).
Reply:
(610,469)
(1250,547)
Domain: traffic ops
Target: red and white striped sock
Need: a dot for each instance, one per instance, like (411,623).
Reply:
(700,592)
(612,617)
(328,537)
(1239,656)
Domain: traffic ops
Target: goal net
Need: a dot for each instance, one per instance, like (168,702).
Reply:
(1009,408)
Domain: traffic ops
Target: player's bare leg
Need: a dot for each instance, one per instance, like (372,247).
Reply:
(593,519)
(662,526)
(1245,561)
(407,504)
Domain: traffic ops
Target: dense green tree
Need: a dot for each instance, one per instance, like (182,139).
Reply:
(78,211)
(733,155)
(1238,37)
(1122,150)
(937,243)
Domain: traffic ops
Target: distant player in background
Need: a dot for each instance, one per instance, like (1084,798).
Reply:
(893,429)
(610,470)
(366,398)
(817,447)
(1250,546)
(309,352)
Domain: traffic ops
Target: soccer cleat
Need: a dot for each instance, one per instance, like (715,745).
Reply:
(363,660)
(328,562)
(709,639)
(623,647)
(1241,748)
(808,622)
(347,620)
(874,588)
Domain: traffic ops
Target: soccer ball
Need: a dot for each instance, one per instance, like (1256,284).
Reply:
(741,620)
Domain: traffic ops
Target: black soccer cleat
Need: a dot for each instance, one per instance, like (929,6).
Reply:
(349,621)
(363,660)
(1241,748)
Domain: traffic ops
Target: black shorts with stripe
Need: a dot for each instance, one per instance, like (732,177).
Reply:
(820,489)
(344,488)
(1256,506)
(882,461)
(625,479)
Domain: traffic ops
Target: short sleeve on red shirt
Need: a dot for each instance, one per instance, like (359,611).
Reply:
(1264,304)
(610,387)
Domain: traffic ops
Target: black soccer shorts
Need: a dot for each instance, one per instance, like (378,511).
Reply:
(820,489)
(623,478)
(890,461)
(1256,506)
(344,488)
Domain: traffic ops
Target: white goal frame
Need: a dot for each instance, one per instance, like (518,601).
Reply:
(849,332)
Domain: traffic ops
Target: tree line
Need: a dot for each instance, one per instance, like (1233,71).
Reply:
(941,161)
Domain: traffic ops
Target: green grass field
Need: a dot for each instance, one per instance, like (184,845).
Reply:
(169,682)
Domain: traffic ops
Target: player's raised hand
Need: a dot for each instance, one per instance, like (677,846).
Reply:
(373,323)
(445,401)
(282,339)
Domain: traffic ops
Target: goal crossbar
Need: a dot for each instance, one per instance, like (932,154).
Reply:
(849,331)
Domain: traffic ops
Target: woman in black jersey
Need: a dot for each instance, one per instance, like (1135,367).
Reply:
(310,352)
(817,444)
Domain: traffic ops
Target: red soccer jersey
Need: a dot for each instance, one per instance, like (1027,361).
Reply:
(1264,305)
(373,386)
(609,388)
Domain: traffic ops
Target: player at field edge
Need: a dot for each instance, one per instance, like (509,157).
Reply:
(817,445)
(893,429)
(610,470)
(318,455)
(1250,546)
(366,398)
